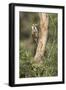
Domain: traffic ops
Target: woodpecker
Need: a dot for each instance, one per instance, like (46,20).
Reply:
(35,33)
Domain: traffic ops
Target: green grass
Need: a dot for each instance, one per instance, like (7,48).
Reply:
(50,58)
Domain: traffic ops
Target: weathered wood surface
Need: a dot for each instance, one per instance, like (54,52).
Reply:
(42,38)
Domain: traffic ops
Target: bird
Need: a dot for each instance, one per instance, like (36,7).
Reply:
(35,33)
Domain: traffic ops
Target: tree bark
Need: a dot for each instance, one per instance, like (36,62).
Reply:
(42,37)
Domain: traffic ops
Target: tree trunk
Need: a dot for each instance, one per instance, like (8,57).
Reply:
(42,37)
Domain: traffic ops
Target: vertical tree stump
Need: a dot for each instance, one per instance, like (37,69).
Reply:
(42,38)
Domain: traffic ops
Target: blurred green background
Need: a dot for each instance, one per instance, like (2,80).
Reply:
(26,49)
